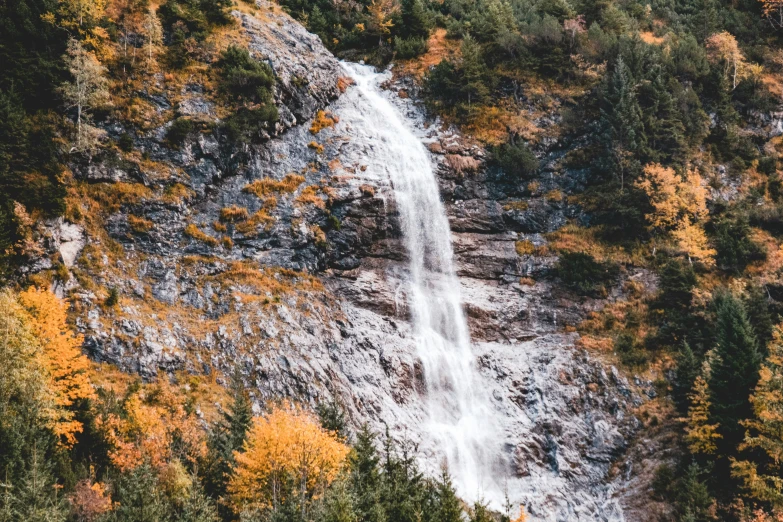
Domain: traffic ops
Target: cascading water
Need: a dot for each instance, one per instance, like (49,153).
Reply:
(460,418)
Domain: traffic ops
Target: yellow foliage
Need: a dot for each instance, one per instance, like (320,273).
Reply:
(679,203)
(699,433)
(156,427)
(62,358)
(310,196)
(288,443)
(525,248)
(317,147)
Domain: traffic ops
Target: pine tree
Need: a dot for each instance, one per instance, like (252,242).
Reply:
(693,500)
(197,507)
(447,504)
(621,119)
(35,497)
(481,513)
(403,485)
(139,497)
(474,72)
(734,372)
(687,370)
(415,19)
(365,478)
(757,307)
(228,436)
(339,504)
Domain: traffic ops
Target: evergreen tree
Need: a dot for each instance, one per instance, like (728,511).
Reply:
(197,507)
(365,478)
(415,19)
(693,501)
(332,417)
(403,484)
(734,371)
(687,370)
(35,497)
(621,119)
(757,307)
(447,505)
(228,436)
(139,497)
(473,72)
(339,504)
(763,477)
(481,513)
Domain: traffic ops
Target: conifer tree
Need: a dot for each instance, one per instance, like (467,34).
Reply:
(621,119)
(734,372)
(687,371)
(474,72)
(447,507)
(757,307)
(365,477)
(228,436)
(415,19)
(35,497)
(764,480)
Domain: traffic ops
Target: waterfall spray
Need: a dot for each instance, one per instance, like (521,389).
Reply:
(460,418)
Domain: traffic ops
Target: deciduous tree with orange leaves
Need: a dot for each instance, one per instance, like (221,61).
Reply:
(286,453)
(679,205)
(154,419)
(62,358)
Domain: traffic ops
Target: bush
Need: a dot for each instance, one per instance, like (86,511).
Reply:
(125,142)
(735,248)
(178,132)
(243,79)
(515,159)
(627,347)
(406,48)
(113,298)
(583,274)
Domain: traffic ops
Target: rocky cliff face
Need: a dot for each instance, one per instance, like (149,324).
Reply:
(289,267)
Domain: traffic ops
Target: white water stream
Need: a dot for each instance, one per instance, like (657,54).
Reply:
(460,419)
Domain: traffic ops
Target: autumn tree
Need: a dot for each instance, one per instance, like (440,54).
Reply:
(88,89)
(764,481)
(287,454)
(679,204)
(700,433)
(723,48)
(61,356)
(153,35)
(155,428)
(773,12)
(381,13)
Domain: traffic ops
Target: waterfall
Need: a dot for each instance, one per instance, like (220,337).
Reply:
(460,420)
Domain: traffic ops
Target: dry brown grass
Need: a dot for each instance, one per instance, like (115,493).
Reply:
(649,37)
(233,214)
(439,48)
(140,225)
(462,164)
(525,248)
(266,186)
(199,235)
(317,147)
(310,196)
(323,120)
(177,194)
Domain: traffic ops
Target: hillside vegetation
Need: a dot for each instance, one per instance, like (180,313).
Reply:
(659,124)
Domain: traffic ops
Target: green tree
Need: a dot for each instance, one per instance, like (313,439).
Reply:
(365,477)
(140,497)
(447,505)
(35,497)
(227,436)
(734,370)
(757,307)
(473,71)
(621,120)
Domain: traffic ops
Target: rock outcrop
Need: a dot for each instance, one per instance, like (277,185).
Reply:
(291,269)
